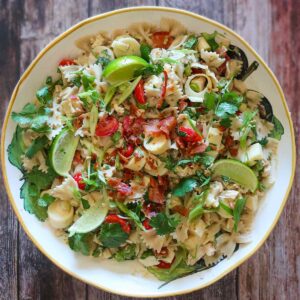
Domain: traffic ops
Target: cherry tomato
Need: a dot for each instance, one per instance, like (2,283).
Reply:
(190,134)
(163,91)
(66,62)
(146,224)
(162,39)
(107,126)
(139,92)
(128,150)
(164,265)
(116,219)
(78,178)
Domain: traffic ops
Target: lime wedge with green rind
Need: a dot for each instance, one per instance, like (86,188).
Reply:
(90,220)
(62,151)
(237,172)
(123,69)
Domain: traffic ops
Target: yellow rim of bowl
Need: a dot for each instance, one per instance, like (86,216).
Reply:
(103,16)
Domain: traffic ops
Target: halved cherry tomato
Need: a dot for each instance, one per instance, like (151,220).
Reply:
(163,91)
(139,92)
(107,126)
(146,224)
(128,150)
(190,134)
(66,62)
(80,183)
(162,39)
(116,219)
(164,265)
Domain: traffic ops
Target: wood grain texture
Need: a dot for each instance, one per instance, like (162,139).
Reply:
(270,26)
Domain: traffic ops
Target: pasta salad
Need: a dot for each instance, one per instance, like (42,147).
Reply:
(149,146)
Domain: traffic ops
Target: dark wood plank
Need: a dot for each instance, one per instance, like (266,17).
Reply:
(10,18)
(43,20)
(273,273)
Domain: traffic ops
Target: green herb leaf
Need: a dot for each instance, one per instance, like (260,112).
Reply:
(16,148)
(44,95)
(246,127)
(112,235)
(126,253)
(145,52)
(191,42)
(278,129)
(131,214)
(264,141)
(226,122)
(186,185)
(103,61)
(210,38)
(237,211)
(150,70)
(45,200)
(37,145)
(87,81)
(33,117)
(81,242)
(211,100)
(164,224)
(225,109)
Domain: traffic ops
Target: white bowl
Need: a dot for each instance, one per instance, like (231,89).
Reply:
(129,278)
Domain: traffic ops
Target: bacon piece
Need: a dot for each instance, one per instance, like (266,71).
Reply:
(157,127)
(167,125)
(200,148)
(122,188)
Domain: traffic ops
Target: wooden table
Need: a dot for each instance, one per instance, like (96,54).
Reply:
(270,26)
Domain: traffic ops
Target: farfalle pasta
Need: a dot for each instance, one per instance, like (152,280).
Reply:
(149,146)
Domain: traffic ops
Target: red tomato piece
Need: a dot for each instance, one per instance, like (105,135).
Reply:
(162,39)
(163,91)
(66,62)
(80,183)
(107,126)
(139,92)
(146,224)
(164,265)
(116,219)
(190,134)
(128,150)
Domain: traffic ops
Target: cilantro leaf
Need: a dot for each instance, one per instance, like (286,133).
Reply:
(264,141)
(16,148)
(145,52)
(131,214)
(191,42)
(150,70)
(103,61)
(126,253)
(44,95)
(40,179)
(225,109)
(116,136)
(170,162)
(89,97)
(37,145)
(112,236)
(246,127)
(278,129)
(211,100)
(205,160)
(210,38)
(226,122)
(186,185)
(237,211)
(87,81)
(45,200)
(81,242)
(203,180)
(33,117)
(164,224)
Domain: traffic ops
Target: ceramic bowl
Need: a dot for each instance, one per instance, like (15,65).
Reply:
(129,278)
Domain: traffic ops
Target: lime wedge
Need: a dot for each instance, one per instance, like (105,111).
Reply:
(236,171)
(62,151)
(90,220)
(123,69)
